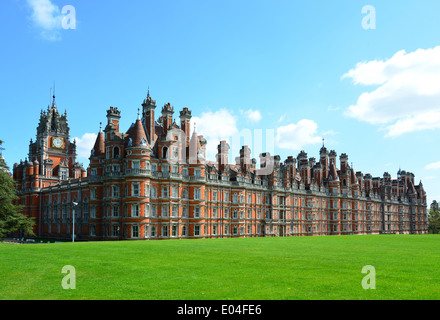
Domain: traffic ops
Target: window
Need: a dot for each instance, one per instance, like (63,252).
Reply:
(234,214)
(214,229)
(153,210)
(226,213)
(174,231)
(184,211)
(165,211)
(197,212)
(153,192)
(115,211)
(175,192)
(165,231)
(135,210)
(235,230)
(136,164)
(197,194)
(115,191)
(174,211)
(135,231)
(116,152)
(93,193)
(183,230)
(235,198)
(93,230)
(86,211)
(165,192)
(214,195)
(115,230)
(92,212)
(153,231)
(197,172)
(135,190)
(197,230)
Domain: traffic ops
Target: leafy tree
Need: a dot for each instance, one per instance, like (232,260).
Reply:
(434,218)
(11,217)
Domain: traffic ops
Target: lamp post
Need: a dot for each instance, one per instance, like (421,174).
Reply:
(74,204)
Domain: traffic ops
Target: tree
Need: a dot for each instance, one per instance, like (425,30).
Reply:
(11,217)
(434,218)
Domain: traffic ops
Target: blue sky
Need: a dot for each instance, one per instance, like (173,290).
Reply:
(264,66)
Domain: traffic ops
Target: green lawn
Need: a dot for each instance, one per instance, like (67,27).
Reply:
(407,267)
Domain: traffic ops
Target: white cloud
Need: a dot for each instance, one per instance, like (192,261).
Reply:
(407,98)
(433,166)
(252,115)
(295,136)
(47,17)
(215,126)
(84,145)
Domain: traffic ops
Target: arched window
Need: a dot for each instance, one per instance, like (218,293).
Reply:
(115,152)
(164,152)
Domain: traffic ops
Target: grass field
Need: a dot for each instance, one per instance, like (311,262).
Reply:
(407,267)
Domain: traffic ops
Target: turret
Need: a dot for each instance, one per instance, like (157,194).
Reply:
(185,117)
(167,117)
(148,107)
(222,155)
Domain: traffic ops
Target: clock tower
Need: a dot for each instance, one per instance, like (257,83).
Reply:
(53,149)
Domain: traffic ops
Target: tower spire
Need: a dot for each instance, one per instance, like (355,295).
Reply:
(53,96)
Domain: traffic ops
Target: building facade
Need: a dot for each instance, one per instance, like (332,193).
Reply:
(153,182)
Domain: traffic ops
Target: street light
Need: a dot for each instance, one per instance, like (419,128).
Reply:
(75,204)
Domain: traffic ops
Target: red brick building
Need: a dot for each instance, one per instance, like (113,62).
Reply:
(152,182)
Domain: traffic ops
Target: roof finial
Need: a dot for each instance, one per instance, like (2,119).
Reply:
(323,141)
(139,114)
(148,93)
(195,127)
(100,127)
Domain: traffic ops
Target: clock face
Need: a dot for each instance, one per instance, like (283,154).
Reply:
(58,143)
